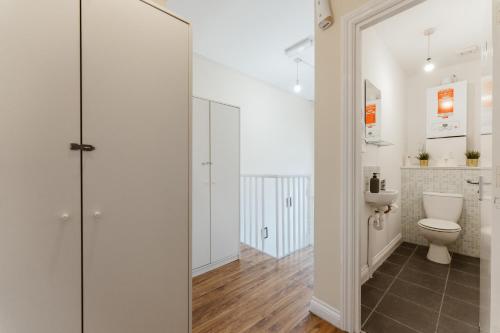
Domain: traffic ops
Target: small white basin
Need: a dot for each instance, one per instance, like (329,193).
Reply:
(383,198)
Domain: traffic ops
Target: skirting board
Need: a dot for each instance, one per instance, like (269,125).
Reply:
(326,312)
(380,257)
(214,265)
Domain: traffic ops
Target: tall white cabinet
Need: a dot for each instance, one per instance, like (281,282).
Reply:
(215,185)
(94,238)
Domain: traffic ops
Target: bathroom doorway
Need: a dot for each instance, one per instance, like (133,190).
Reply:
(423,202)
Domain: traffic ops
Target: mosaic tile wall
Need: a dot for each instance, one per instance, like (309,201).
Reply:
(415,181)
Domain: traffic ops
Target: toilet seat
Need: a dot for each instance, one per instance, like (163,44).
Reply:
(439,225)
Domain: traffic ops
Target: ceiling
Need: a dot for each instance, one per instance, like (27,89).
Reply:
(251,36)
(459,24)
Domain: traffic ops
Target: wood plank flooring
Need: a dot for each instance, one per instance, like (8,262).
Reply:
(258,294)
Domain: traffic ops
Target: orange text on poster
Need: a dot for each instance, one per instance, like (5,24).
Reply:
(371,114)
(445,102)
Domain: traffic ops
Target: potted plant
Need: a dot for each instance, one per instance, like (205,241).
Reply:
(423,157)
(472,157)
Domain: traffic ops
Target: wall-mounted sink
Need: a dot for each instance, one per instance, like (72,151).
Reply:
(383,198)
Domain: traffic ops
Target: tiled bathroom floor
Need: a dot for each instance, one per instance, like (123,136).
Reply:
(409,294)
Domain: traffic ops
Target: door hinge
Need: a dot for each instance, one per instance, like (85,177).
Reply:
(82,147)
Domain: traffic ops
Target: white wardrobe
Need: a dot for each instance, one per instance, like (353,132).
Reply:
(94,168)
(216,184)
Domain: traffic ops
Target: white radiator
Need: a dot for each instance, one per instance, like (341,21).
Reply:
(276,213)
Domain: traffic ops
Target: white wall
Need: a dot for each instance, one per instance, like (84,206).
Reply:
(417,98)
(277,127)
(328,172)
(381,69)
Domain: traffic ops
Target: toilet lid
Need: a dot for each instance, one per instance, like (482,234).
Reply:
(439,225)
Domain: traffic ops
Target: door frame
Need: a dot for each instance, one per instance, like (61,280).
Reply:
(352,25)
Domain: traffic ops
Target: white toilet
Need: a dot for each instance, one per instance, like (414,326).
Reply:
(440,228)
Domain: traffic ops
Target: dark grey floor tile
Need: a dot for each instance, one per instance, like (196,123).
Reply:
(466,294)
(450,325)
(417,294)
(408,313)
(421,252)
(465,267)
(397,259)
(404,251)
(365,311)
(429,267)
(463,278)
(423,279)
(389,268)
(460,310)
(381,324)
(408,245)
(380,280)
(370,296)
(464,258)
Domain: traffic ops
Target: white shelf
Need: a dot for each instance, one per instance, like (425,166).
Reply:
(446,167)
(380,143)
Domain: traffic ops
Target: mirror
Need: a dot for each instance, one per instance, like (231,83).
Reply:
(373,113)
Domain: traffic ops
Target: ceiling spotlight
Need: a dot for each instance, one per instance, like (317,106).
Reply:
(429,65)
(297,88)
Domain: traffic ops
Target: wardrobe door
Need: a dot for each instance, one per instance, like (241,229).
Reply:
(201,182)
(39,176)
(225,171)
(136,102)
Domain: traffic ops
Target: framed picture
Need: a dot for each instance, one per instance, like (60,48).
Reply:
(447,110)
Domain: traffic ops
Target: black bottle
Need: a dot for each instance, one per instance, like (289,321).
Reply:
(374,184)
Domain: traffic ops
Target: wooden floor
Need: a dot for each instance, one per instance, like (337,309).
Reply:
(258,294)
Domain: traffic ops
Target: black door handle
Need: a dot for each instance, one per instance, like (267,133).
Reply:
(83,147)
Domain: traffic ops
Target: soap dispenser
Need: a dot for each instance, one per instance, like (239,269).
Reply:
(375,183)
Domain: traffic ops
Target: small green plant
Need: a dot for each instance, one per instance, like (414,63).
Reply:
(423,156)
(472,154)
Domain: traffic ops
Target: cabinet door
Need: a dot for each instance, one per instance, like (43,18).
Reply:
(40,285)
(201,182)
(225,177)
(136,101)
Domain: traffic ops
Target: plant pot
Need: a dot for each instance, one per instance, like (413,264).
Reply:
(472,162)
(424,163)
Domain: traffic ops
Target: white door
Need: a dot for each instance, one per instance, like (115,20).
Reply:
(269,202)
(225,177)
(39,175)
(490,206)
(136,98)
(495,221)
(201,182)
